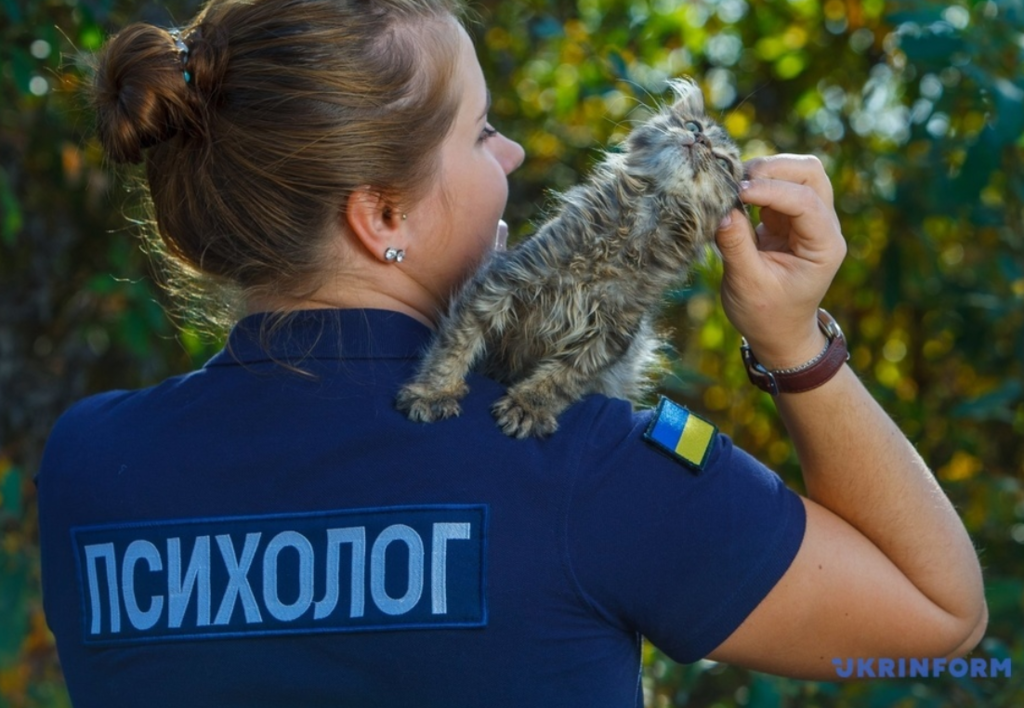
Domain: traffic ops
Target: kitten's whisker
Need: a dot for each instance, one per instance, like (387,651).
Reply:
(664,131)
(723,114)
(652,99)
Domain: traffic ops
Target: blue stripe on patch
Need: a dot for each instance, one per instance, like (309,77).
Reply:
(340,571)
(682,434)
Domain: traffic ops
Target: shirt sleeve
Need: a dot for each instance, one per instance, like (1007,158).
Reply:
(681,557)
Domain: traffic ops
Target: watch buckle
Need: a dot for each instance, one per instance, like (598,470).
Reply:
(756,371)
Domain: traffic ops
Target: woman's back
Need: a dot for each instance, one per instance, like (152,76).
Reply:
(248,535)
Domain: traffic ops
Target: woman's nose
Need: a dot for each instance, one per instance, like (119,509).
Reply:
(510,154)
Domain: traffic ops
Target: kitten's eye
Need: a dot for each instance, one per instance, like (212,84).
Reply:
(726,165)
(692,126)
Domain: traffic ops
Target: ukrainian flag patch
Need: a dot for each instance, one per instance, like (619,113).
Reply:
(684,435)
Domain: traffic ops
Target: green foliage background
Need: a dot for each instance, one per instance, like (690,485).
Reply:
(916,108)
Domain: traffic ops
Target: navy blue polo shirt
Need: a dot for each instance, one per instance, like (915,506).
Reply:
(270,531)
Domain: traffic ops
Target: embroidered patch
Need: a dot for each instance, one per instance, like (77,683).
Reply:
(681,433)
(339,571)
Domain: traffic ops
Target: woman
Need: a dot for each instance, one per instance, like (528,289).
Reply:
(269,530)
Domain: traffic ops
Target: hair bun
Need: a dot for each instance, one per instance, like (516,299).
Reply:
(139,92)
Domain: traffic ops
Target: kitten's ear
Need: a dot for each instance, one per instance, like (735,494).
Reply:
(689,99)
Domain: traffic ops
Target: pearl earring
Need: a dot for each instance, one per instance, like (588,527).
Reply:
(394,255)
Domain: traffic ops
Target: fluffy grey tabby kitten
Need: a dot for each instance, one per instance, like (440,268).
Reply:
(570,311)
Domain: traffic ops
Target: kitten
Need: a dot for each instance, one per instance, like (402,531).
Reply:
(570,311)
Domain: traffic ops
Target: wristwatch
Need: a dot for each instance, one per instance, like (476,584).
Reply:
(807,376)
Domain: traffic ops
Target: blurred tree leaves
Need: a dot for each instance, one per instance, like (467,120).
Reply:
(915,107)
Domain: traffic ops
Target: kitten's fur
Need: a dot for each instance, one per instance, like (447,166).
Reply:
(570,311)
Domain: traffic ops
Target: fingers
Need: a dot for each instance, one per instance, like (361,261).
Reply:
(800,169)
(793,212)
(736,240)
(788,198)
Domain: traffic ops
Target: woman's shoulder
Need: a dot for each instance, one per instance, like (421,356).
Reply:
(95,418)
(609,418)
(617,431)
(74,431)
(600,431)
(90,412)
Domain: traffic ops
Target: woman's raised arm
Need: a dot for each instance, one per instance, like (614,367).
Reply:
(886,568)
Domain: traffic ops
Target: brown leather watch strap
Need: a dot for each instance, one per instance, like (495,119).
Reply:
(806,377)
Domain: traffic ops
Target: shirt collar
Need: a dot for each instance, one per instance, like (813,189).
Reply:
(325,335)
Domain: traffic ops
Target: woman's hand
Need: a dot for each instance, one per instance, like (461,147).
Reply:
(775,276)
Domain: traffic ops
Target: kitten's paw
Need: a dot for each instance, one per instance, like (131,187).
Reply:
(424,404)
(518,419)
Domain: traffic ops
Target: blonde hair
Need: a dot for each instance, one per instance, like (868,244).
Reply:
(285,109)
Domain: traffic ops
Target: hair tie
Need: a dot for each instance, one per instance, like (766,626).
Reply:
(179,44)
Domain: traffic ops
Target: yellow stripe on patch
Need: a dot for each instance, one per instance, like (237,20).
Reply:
(696,438)
(683,435)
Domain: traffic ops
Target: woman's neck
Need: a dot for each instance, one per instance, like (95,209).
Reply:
(353,296)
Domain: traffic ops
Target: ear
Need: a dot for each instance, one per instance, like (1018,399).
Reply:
(688,96)
(375,224)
